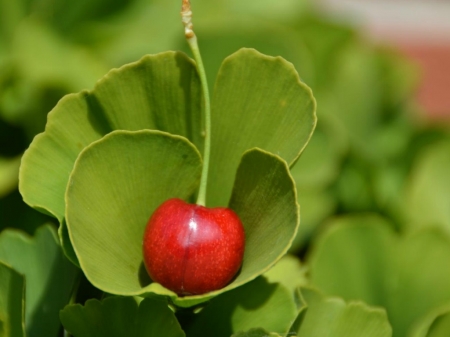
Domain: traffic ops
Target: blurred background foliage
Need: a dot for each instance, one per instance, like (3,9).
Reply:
(368,138)
(372,152)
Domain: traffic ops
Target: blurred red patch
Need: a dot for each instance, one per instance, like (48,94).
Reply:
(434,89)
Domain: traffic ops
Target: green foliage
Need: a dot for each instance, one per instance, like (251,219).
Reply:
(314,172)
(434,324)
(120,270)
(361,258)
(332,317)
(110,155)
(9,170)
(117,102)
(36,71)
(270,215)
(116,184)
(255,304)
(288,272)
(258,101)
(12,293)
(49,276)
(440,327)
(255,332)
(428,190)
(121,316)
(95,224)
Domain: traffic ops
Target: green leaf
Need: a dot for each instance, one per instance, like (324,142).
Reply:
(12,13)
(119,39)
(66,244)
(353,188)
(116,184)
(149,94)
(259,101)
(316,206)
(121,316)
(353,94)
(256,332)
(256,304)
(47,65)
(9,172)
(67,16)
(361,258)
(314,172)
(284,10)
(12,301)
(50,277)
(289,272)
(325,41)
(158,92)
(428,191)
(349,274)
(319,164)
(424,277)
(264,197)
(39,75)
(219,39)
(401,75)
(436,323)
(440,327)
(332,317)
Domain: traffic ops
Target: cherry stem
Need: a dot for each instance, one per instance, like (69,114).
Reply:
(186,17)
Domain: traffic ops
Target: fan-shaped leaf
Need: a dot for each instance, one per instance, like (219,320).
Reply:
(264,197)
(115,186)
(158,92)
(258,101)
(107,209)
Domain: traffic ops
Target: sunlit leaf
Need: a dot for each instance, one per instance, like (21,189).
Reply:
(259,101)
(158,92)
(115,186)
(107,206)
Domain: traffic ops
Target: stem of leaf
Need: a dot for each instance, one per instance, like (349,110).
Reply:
(192,41)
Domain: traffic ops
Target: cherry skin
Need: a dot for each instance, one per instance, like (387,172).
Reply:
(192,249)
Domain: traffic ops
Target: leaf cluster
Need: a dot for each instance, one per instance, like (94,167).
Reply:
(371,184)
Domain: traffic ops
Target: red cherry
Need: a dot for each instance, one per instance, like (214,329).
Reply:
(192,249)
